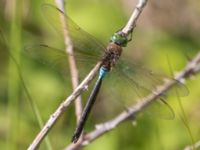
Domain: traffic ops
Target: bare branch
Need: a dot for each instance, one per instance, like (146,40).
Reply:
(72,61)
(192,68)
(135,15)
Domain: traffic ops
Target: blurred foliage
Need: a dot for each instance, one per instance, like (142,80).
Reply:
(165,28)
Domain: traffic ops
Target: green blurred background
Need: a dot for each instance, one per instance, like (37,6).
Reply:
(165,29)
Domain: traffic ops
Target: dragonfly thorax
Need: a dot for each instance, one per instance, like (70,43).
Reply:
(112,54)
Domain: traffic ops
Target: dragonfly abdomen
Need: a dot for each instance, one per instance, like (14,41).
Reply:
(91,100)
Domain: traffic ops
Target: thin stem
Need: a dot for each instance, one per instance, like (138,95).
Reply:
(31,101)
(135,15)
(72,61)
(182,116)
(14,81)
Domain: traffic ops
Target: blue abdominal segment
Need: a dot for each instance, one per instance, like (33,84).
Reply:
(102,72)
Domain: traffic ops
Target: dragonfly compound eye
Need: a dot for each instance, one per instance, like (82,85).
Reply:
(119,39)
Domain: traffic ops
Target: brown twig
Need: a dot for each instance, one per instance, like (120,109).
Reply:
(135,15)
(60,110)
(192,68)
(72,60)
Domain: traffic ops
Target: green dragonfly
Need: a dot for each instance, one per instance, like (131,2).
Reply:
(89,50)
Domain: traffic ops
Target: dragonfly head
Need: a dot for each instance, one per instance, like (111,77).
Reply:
(119,39)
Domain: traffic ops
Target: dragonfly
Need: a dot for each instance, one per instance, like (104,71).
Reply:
(88,48)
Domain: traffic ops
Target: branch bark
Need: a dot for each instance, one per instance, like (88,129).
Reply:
(192,68)
(72,60)
(131,24)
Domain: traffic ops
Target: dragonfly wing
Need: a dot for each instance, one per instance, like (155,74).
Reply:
(87,50)
(147,79)
(47,55)
(141,81)
(57,58)
(84,43)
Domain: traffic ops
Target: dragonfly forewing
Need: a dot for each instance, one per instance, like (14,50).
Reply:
(83,42)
